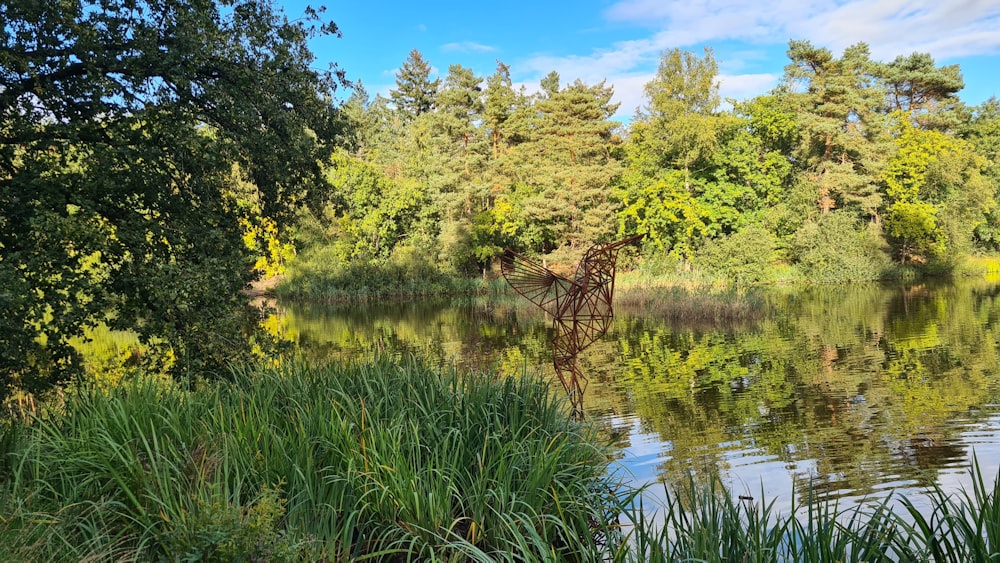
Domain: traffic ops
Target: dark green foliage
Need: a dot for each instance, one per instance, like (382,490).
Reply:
(928,93)
(415,92)
(481,169)
(566,200)
(841,139)
(549,174)
(137,136)
(745,257)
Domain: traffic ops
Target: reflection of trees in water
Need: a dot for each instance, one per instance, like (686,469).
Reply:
(865,383)
(472,333)
(847,377)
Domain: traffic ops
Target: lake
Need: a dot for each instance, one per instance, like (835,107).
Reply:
(854,391)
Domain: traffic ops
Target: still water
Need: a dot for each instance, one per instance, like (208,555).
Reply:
(854,391)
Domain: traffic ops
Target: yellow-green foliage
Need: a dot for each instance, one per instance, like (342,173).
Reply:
(936,193)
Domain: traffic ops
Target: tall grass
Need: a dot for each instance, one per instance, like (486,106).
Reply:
(706,524)
(376,460)
(693,307)
(363,281)
(394,462)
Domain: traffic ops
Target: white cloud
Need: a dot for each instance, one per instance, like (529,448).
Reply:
(622,56)
(743,86)
(467,47)
(629,93)
(688,22)
(943,28)
(891,27)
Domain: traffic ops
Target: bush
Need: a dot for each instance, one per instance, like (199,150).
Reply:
(837,249)
(744,257)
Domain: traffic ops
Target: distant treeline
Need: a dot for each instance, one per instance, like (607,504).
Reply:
(851,169)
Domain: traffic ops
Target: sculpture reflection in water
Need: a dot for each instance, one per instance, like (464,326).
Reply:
(581,307)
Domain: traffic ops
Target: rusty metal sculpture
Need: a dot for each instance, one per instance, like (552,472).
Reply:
(580,307)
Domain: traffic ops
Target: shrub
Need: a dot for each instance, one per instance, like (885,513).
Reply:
(743,257)
(837,249)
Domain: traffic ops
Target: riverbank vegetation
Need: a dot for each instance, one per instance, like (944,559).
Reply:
(392,461)
(851,169)
(384,460)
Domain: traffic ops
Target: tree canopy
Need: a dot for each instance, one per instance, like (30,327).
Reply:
(134,137)
(812,171)
(155,155)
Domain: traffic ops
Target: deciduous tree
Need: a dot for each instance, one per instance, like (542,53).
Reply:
(121,121)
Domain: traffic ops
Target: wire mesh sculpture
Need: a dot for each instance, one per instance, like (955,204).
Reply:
(580,307)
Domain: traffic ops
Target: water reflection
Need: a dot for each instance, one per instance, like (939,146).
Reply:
(854,391)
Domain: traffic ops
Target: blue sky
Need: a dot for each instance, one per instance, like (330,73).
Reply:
(620,41)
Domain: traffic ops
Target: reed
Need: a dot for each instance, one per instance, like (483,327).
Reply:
(364,282)
(705,523)
(679,304)
(376,460)
(394,461)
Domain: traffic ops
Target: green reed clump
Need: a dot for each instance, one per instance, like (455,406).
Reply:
(963,526)
(395,461)
(336,281)
(704,523)
(381,460)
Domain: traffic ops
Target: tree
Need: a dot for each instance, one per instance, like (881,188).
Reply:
(668,191)
(936,191)
(926,92)
(983,131)
(751,169)
(454,153)
(500,107)
(566,169)
(506,118)
(135,137)
(842,143)
(415,92)
(682,100)
(365,216)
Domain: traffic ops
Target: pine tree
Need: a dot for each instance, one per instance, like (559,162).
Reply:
(926,92)
(566,170)
(842,141)
(500,106)
(415,92)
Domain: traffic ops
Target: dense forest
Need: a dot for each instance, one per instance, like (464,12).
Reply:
(156,157)
(849,170)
